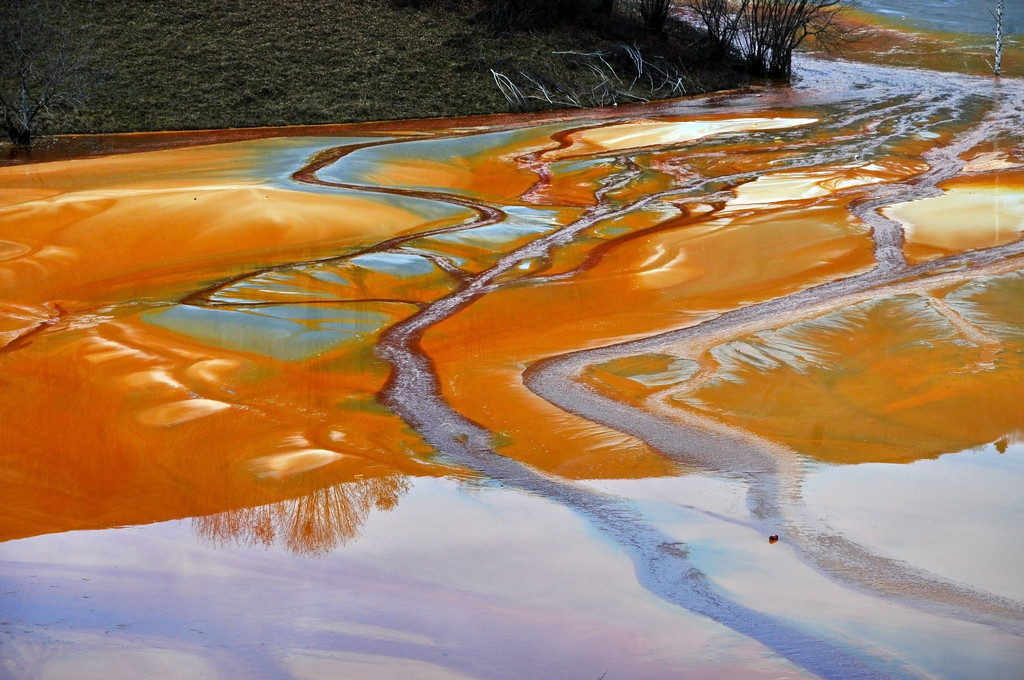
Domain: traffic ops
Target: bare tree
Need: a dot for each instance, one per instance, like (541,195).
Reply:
(767,32)
(998,16)
(42,65)
(773,29)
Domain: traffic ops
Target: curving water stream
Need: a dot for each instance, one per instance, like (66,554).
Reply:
(525,397)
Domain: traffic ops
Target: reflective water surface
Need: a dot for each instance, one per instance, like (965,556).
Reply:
(971,16)
(526,397)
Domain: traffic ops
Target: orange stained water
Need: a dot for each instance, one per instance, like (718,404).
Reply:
(898,44)
(677,274)
(977,210)
(278,360)
(279,337)
(98,403)
(890,381)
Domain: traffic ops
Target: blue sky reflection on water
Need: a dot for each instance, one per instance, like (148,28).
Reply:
(288,332)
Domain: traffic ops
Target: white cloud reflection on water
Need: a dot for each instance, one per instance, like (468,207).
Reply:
(460,581)
(959,515)
(455,582)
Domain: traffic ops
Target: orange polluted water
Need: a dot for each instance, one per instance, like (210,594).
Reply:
(650,330)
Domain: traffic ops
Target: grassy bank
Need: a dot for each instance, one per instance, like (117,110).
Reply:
(199,64)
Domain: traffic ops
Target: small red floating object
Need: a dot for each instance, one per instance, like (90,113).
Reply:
(773,538)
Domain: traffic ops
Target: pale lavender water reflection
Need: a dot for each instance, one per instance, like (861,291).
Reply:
(430,590)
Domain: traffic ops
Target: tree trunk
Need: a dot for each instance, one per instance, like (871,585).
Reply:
(18,134)
(997,67)
(22,138)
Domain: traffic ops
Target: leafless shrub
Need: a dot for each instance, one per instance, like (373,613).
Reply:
(605,78)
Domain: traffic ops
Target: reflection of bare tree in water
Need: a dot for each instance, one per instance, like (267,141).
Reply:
(313,524)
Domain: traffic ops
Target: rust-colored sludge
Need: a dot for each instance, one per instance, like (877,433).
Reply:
(666,324)
(191,332)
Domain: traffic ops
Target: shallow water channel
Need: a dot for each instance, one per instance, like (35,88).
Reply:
(526,397)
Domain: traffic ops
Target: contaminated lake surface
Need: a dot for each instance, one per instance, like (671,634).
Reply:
(723,387)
